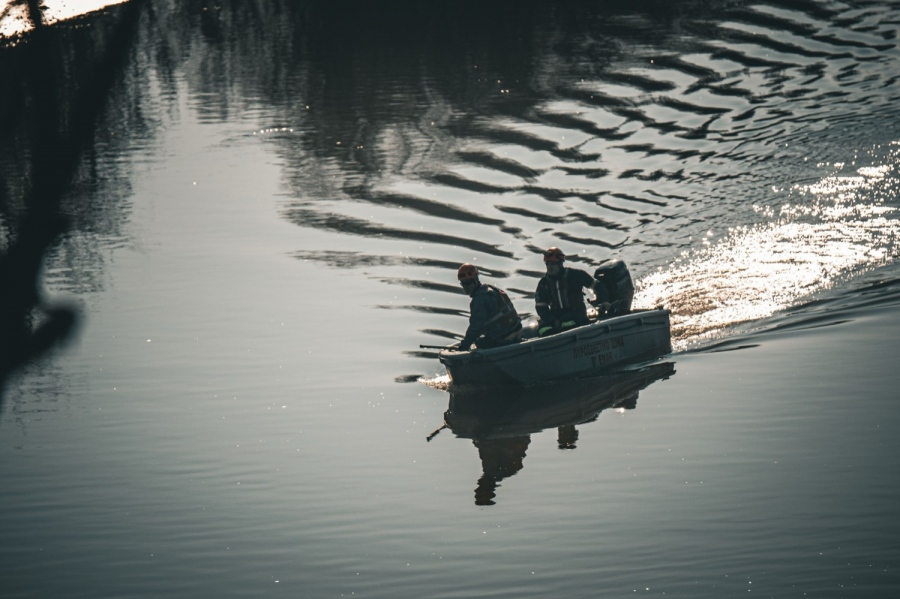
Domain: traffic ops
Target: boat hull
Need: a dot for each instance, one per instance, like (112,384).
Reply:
(591,349)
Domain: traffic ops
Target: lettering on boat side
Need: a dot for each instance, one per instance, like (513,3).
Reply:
(589,349)
(601,360)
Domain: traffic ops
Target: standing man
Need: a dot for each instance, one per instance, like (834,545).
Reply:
(493,320)
(559,299)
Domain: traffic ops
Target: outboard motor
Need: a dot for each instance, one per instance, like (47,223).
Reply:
(614,282)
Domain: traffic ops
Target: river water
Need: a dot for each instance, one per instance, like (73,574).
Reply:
(265,220)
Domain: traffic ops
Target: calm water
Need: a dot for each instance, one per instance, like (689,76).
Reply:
(266,213)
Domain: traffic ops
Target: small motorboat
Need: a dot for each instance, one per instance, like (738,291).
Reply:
(600,346)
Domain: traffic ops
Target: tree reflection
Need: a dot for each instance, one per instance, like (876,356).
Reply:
(366,83)
(372,89)
(500,421)
(50,120)
(360,94)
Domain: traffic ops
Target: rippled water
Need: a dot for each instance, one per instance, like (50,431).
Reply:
(265,219)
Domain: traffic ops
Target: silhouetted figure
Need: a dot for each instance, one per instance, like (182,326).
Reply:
(559,298)
(566,436)
(500,458)
(493,321)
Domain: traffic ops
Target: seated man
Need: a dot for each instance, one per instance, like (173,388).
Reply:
(559,299)
(493,320)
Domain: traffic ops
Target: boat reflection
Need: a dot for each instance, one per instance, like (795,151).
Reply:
(500,422)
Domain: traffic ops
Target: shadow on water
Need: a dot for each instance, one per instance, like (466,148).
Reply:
(57,119)
(500,422)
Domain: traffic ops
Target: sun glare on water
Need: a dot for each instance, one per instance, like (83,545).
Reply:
(754,272)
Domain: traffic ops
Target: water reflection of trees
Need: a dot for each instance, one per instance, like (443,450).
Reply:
(408,90)
(363,81)
(57,81)
(358,93)
(381,112)
(500,421)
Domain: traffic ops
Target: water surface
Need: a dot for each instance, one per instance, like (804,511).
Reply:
(264,225)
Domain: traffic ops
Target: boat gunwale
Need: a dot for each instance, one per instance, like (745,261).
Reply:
(589,332)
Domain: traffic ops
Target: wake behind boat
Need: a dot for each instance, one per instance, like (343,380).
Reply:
(595,348)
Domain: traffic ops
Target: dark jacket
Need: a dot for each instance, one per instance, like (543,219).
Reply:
(562,298)
(493,320)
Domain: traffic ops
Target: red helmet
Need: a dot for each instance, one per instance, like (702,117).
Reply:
(467,272)
(554,254)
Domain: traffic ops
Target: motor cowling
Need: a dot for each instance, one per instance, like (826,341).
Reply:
(616,281)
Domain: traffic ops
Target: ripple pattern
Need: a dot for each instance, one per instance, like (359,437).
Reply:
(678,153)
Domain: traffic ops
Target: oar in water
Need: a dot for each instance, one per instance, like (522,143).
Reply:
(438,347)
(435,432)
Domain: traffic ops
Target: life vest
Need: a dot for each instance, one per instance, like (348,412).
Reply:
(560,294)
(506,320)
